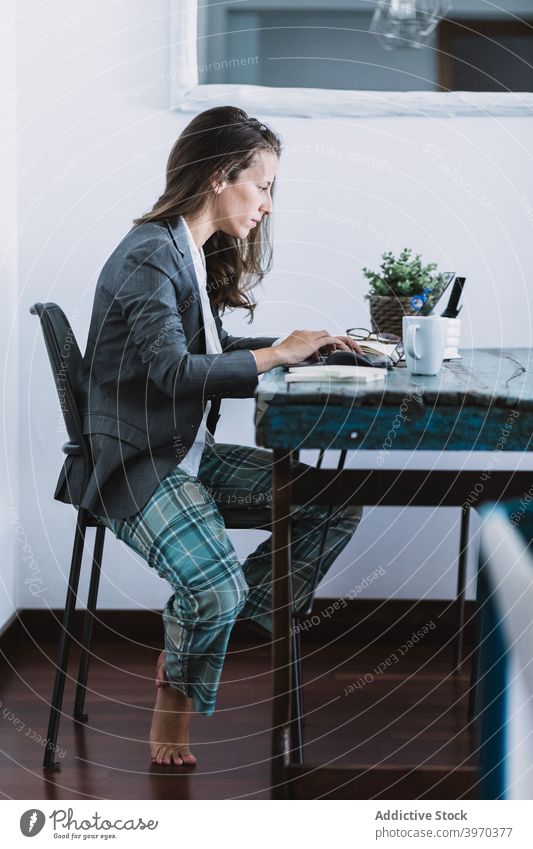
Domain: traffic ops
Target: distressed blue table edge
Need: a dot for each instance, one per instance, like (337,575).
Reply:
(483,402)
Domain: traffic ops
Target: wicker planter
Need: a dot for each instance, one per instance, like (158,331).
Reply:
(386,313)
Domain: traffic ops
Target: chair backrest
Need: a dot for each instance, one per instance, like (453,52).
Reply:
(65,360)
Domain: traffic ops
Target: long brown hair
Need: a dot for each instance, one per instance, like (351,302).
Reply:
(217,145)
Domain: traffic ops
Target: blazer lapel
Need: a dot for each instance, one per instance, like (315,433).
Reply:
(179,237)
(188,280)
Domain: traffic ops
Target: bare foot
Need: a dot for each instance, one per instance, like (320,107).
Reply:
(169,732)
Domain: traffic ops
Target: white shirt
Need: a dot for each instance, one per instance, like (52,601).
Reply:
(191,461)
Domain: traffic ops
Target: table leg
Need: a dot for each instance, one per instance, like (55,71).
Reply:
(281,618)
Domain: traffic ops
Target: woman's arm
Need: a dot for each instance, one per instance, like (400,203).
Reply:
(146,297)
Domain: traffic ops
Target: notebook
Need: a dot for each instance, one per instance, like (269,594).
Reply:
(335,374)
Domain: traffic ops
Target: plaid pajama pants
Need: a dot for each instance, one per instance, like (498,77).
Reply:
(180,532)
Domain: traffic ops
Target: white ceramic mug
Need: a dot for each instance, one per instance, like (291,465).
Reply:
(424,338)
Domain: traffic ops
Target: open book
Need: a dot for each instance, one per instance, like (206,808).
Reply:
(372,346)
(335,374)
(381,353)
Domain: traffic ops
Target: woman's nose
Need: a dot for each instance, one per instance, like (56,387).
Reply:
(266,206)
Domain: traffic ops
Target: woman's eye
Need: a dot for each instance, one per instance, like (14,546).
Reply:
(263,188)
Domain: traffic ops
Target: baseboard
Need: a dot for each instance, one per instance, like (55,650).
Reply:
(11,633)
(357,621)
(8,623)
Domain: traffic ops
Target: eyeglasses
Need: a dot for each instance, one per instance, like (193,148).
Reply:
(394,355)
(361,334)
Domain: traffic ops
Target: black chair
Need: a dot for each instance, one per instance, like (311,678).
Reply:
(65,359)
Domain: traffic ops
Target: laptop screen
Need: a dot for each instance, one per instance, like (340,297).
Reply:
(436,293)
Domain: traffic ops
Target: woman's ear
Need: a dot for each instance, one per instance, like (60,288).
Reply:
(218,184)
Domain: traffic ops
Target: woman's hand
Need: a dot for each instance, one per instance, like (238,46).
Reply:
(308,344)
(302,345)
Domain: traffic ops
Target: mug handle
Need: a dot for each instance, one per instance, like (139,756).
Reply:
(410,342)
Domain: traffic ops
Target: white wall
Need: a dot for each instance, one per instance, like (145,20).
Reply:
(94,135)
(8,330)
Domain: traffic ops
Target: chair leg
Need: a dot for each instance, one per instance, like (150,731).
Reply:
(79,704)
(65,640)
(296,694)
(460,597)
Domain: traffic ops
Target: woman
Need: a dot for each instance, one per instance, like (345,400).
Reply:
(157,363)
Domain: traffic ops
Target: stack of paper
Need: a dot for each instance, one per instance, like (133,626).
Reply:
(352,374)
(453,339)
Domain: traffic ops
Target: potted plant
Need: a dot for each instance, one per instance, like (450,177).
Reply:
(399,288)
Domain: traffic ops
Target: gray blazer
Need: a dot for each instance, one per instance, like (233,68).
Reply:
(145,378)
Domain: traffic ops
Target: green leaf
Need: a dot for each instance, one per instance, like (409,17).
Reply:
(401,276)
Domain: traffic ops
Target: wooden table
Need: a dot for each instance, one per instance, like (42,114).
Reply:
(483,402)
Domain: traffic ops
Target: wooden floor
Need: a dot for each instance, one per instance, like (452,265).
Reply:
(412,715)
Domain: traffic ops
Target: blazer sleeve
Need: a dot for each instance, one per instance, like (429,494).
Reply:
(148,302)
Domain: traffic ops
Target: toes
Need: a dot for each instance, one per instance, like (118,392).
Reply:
(173,756)
(155,755)
(187,756)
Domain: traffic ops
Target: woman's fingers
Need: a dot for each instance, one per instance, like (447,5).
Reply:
(338,344)
(342,343)
(349,340)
